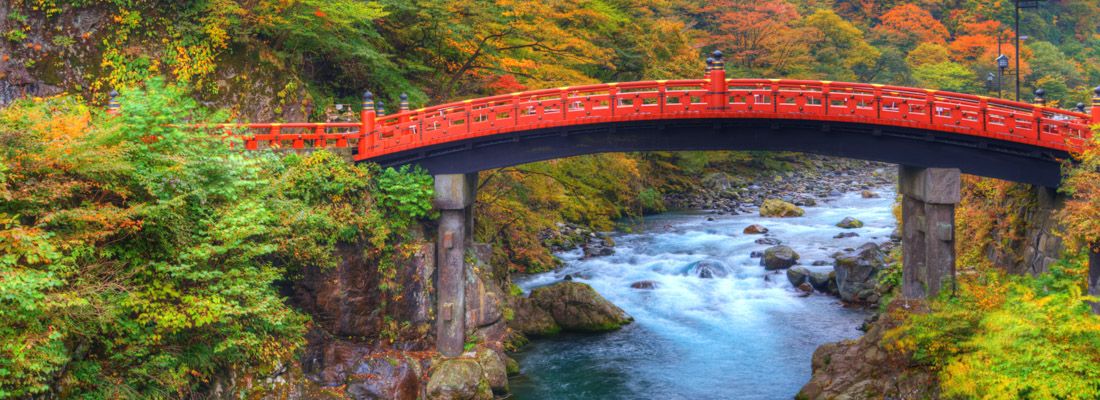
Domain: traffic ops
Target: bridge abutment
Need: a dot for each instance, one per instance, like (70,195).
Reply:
(929,196)
(454,198)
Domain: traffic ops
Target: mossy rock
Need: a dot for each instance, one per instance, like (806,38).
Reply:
(458,379)
(776,208)
(850,223)
(577,307)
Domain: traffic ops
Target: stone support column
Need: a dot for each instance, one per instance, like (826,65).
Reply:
(928,238)
(454,198)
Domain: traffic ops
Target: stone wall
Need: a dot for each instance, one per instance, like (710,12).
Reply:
(1040,246)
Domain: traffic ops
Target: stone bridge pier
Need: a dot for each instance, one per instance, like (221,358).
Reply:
(929,196)
(454,198)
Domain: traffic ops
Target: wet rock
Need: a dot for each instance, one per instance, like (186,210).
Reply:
(598,246)
(798,275)
(755,229)
(530,319)
(820,263)
(780,209)
(494,368)
(707,269)
(644,285)
(579,308)
(824,282)
(385,377)
(856,273)
(806,288)
(843,235)
(850,223)
(756,254)
(778,257)
(458,379)
(895,236)
(511,366)
(769,241)
(867,194)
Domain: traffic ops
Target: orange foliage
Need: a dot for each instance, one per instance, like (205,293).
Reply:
(911,24)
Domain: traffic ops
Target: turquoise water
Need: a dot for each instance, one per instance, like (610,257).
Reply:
(744,336)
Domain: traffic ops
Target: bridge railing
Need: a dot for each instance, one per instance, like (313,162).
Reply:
(680,99)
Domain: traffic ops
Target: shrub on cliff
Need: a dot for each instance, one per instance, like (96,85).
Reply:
(137,256)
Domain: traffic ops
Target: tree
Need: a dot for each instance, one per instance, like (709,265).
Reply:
(840,49)
(948,75)
(927,53)
(759,38)
(908,25)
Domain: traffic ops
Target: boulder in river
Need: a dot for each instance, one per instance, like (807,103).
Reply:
(755,229)
(867,194)
(843,235)
(856,273)
(530,319)
(644,285)
(756,254)
(579,308)
(779,208)
(769,241)
(824,282)
(707,269)
(798,275)
(850,223)
(806,288)
(778,257)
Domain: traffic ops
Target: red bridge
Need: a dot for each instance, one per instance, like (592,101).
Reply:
(932,134)
(910,126)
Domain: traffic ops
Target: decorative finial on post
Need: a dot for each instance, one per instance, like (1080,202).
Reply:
(718,63)
(404,102)
(710,66)
(381,108)
(1039,100)
(368,101)
(113,106)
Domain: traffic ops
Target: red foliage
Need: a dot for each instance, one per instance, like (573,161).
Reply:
(505,84)
(911,25)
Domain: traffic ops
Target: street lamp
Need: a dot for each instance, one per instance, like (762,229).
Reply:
(1002,64)
(989,82)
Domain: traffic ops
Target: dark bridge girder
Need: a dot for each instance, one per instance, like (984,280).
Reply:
(904,146)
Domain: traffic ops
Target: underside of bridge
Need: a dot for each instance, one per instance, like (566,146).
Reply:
(903,146)
(928,213)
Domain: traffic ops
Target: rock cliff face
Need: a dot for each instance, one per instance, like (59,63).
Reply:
(361,347)
(865,369)
(1035,246)
(64,53)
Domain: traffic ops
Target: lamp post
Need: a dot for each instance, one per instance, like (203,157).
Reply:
(1002,64)
(989,82)
(1021,4)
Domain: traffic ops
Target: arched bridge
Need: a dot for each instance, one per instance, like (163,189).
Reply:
(909,126)
(932,134)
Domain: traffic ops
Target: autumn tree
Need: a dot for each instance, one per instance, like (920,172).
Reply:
(908,25)
(840,48)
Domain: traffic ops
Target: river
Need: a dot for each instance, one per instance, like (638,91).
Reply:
(745,336)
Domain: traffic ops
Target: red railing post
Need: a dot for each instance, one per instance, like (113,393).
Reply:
(1037,112)
(1096,106)
(718,90)
(366,124)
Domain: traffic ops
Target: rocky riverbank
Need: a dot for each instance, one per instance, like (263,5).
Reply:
(817,177)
